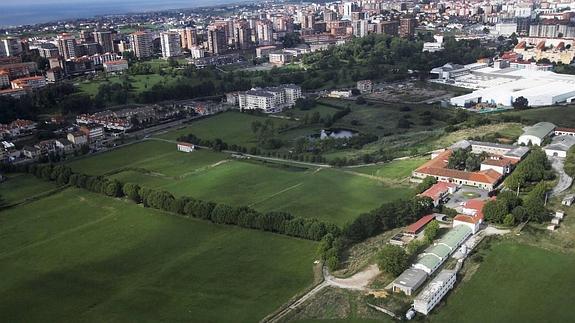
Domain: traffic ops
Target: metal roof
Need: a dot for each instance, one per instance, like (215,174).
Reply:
(439,250)
(455,236)
(539,130)
(429,261)
(435,285)
(411,278)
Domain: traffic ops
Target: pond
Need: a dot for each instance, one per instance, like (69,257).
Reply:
(334,133)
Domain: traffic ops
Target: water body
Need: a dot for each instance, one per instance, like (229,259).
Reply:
(335,134)
(21,12)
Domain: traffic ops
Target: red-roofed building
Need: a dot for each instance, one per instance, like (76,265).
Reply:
(437,167)
(564,131)
(467,220)
(439,191)
(419,225)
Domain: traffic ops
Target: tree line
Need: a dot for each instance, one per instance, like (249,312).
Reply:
(243,216)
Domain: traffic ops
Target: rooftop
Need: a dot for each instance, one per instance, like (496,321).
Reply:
(411,278)
(454,237)
(415,227)
(539,130)
(435,285)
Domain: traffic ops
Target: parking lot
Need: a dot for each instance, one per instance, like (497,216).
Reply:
(464,194)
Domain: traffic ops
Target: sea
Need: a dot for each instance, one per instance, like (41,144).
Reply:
(23,12)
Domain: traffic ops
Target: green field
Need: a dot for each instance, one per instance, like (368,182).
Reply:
(328,194)
(398,169)
(139,83)
(231,127)
(562,116)
(514,283)
(80,257)
(19,187)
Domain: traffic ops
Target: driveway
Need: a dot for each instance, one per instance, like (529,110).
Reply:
(465,193)
(565,180)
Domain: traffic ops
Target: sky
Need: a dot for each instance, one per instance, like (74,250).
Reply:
(17,12)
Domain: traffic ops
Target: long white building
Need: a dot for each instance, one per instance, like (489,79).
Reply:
(270,100)
(171,44)
(502,84)
(434,291)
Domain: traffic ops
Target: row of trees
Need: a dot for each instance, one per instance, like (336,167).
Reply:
(277,222)
(533,169)
(510,209)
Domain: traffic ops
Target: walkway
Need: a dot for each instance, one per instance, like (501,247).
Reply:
(565,181)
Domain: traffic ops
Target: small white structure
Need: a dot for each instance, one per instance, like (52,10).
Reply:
(559,215)
(555,221)
(568,200)
(186,147)
(551,227)
(434,291)
(559,146)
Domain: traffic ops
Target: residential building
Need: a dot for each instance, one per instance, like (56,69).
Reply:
(12,46)
(270,100)
(4,79)
(188,37)
(264,51)
(54,75)
(141,44)
(434,291)
(116,66)
(93,132)
(77,138)
(170,42)
(33,82)
(365,86)
(280,57)
(67,46)
(407,27)
(439,192)
(106,40)
(217,41)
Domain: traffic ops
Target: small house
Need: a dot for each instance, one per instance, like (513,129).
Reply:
(555,221)
(568,200)
(559,215)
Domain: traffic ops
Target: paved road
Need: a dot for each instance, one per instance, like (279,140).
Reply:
(565,181)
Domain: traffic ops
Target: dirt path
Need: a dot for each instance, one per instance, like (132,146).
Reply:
(359,281)
(276,194)
(565,181)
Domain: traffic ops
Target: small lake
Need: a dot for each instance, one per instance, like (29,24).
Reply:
(334,133)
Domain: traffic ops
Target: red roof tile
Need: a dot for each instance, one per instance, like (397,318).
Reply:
(419,224)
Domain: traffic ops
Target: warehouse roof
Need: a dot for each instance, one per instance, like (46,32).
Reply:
(429,261)
(435,285)
(539,130)
(455,236)
(411,278)
(561,143)
(439,250)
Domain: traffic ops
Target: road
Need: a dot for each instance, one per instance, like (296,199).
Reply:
(565,181)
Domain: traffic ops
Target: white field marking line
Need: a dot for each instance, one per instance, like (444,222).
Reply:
(276,194)
(56,236)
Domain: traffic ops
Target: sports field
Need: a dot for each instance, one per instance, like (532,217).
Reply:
(514,283)
(231,127)
(397,170)
(80,257)
(327,194)
(19,187)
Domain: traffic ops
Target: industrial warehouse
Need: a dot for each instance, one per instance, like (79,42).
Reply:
(504,81)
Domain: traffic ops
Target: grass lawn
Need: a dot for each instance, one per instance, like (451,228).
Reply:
(327,194)
(514,283)
(80,257)
(140,83)
(19,187)
(398,169)
(562,116)
(232,127)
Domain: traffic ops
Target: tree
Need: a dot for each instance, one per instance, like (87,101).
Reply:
(431,231)
(534,203)
(427,182)
(132,191)
(509,220)
(521,103)
(393,260)
(495,211)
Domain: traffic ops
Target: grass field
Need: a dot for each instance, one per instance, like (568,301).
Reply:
(19,187)
(139,83)
(397,170)
(232,127)
(514,283)
(327,194)
(80,257)
(562,116)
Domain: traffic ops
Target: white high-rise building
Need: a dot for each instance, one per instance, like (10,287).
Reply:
(12,46)
(170,44)
(141,44)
